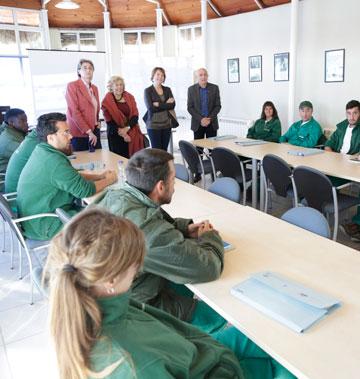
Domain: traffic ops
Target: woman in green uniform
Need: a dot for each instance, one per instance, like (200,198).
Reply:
(267,127)
(99,332)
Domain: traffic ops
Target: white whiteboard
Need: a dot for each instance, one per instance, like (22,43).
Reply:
(52,70)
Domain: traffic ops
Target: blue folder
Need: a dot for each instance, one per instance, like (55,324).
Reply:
(288,302)
(250,142)
(223,138)
(305,153)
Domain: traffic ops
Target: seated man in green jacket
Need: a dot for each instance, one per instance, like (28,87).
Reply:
(12,133)
(48,180)
(305,132)
(18,161)
(178,251)
(346,140)
(268,126)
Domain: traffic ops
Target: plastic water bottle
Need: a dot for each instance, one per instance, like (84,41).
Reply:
(121,174)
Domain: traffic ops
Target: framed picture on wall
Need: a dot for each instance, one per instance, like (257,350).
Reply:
(233,70)
(334,66)
(281,67)
(255,68)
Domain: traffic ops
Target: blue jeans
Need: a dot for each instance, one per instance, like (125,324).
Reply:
(159,138)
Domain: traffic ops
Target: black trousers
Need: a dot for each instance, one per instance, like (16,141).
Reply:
(203,132)
(82,143)
(117,145)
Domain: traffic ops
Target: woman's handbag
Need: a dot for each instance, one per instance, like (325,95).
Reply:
(173,119)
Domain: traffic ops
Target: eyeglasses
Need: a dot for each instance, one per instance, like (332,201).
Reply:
(64,132)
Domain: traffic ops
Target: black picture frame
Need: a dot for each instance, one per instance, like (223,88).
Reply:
(233,70)
(255,68)
(281,67)
(334,66)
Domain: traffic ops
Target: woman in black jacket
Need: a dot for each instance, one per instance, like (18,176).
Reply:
(159,101)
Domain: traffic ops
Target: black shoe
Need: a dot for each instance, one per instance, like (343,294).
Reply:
(197,178)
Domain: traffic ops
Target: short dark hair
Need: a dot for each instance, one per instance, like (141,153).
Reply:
(46,124)
(269,104)
(147,167)
(13,113)
(153,72)
(306,104)
(352,104)
(81,62)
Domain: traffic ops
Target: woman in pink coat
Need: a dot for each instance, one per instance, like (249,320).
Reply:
(83,103)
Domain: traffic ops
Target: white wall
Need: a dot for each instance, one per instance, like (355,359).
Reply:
(263,32)
(323,25)
(326,25)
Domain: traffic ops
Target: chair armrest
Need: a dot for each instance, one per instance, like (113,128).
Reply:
(33,217)
(10,194)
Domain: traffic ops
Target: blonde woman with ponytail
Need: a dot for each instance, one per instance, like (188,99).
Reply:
(99,332)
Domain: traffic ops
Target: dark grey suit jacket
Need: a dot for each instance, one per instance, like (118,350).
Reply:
(194,106)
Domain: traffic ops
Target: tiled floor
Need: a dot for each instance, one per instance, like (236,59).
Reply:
(25,347)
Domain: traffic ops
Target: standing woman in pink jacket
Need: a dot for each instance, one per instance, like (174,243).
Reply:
(82,114)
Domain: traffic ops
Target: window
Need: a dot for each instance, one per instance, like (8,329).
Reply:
(20,30)
(76,40)
(189,41)
(140,42)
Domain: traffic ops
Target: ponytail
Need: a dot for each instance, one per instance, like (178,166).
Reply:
(94,248)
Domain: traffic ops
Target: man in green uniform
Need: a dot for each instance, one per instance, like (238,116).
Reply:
(18,161)
(178,251)
(305,132)
(48,180)
(12,133)
(346,140)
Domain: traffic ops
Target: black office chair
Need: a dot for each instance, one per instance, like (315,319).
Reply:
(278,178)
(319,193)
(196,164)
(230,165)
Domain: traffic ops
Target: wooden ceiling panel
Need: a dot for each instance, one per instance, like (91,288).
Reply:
(132,13)
(136,13)
(89,15)
(26,4)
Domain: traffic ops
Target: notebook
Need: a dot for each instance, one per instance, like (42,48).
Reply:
(249,142)
(305,153)
(294,305)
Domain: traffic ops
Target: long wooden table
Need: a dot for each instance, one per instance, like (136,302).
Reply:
(329,349)
(329,163)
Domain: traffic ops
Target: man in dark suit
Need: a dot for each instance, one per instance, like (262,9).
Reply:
(203,103)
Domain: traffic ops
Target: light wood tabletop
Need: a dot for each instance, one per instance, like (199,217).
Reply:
(330,348)
(329,163)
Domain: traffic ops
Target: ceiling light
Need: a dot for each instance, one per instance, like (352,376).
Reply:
(67,4)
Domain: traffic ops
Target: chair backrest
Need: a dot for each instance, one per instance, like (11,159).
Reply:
(278,173)
(3,110)
(63,215)
(226,187)
(227,162)
(190,154)
(309,219)
(8,215)
(181,172)
(314,186)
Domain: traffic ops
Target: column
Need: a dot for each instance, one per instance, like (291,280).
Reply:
(203,30)
(159,33)
(293,54)
(107,36)
(45,28)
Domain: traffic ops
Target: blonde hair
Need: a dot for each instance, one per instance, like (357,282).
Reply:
(94,248)
(113,79)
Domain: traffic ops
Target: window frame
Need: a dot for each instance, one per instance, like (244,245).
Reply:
(78,32)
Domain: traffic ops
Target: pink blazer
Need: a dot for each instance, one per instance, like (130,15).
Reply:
(80,108)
